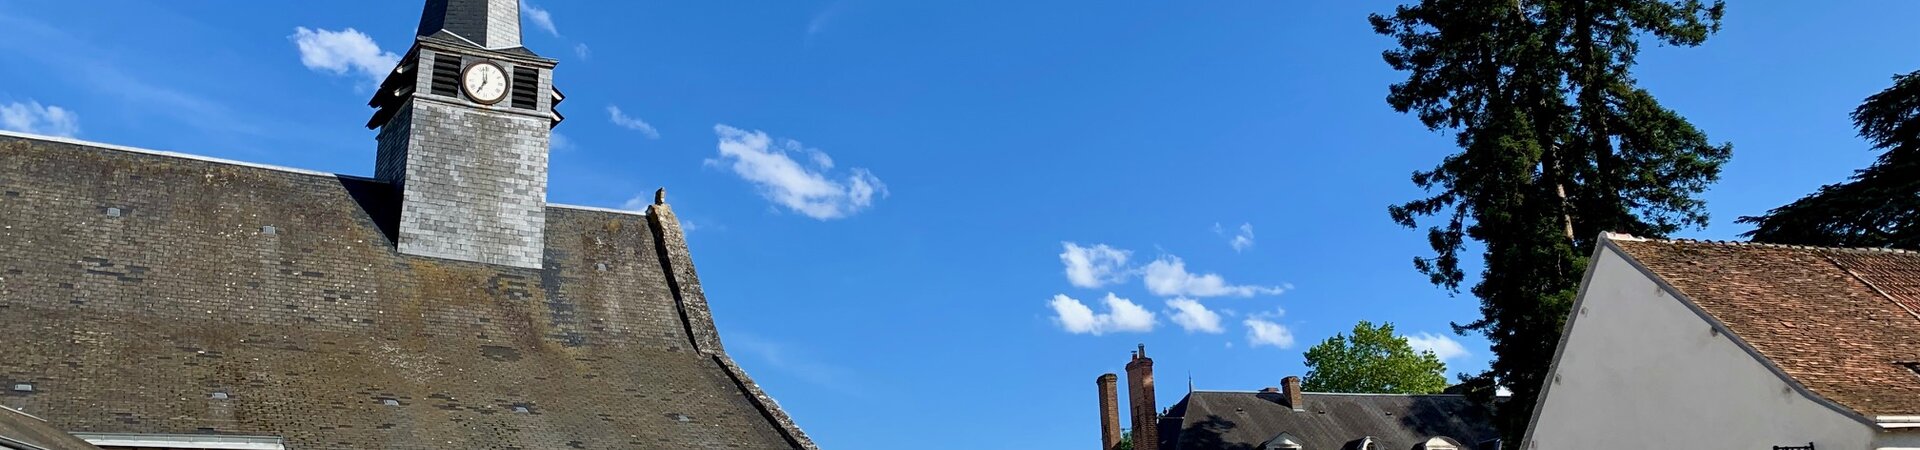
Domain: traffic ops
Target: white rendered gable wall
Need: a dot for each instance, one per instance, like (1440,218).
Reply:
(1640,369)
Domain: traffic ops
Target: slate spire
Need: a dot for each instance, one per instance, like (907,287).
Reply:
(494,24)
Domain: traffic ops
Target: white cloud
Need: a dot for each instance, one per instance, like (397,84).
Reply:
(32,117)
(1241,240)
(1193,316)
(582,51)
(1263,332)
(639,202)
(1168,277)
(1122,316)
(632,123)
(539,17)
(807,190)
(1441,345)
(1096,266)
(343,52)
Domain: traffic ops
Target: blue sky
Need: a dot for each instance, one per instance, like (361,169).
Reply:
(882,194)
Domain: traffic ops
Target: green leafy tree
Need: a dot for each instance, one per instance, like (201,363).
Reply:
(1880,205)
(1556,144)
(1126,441)
(1372,360)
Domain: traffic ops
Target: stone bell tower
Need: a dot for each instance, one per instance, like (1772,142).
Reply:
(465,123)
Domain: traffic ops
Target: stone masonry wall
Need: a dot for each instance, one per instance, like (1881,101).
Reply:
(155,294)
(475,185)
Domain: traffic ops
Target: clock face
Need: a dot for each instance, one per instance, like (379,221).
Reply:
(485,82)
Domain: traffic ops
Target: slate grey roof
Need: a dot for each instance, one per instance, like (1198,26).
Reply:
(19,431)
(490,23)
(144,292)
(1217,420)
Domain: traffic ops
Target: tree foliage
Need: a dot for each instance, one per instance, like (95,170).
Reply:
(1373,360)
(1556,144)
(1880,205)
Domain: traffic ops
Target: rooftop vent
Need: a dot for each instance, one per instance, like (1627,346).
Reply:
(217,395)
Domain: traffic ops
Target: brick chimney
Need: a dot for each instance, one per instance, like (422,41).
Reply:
(1290,387)
(1146,416)
(1109,411)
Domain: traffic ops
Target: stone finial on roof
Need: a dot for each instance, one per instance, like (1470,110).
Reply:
(660,196)
(493,24)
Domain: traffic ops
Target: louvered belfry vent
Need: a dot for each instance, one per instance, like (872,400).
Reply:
(526,88)
(446,75)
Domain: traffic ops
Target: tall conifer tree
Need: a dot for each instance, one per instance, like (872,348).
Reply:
(1557,144)
(1880,205)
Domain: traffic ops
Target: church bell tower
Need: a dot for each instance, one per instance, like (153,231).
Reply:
(465,124)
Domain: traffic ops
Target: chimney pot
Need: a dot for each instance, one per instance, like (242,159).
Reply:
(1144,412)
(1290,387)
(1109,411)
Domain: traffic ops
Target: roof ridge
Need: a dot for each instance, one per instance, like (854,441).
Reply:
(1368,394)
(171,154)
(1611,236)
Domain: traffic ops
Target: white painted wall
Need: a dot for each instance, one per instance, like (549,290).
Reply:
(1639,369)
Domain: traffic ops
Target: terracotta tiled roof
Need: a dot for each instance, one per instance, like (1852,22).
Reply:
(1841,322)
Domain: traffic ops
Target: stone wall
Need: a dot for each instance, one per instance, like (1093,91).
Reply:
(475,185)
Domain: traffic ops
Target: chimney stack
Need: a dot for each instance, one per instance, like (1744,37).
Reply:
(1109,411)
(1146,416)
(1290,386)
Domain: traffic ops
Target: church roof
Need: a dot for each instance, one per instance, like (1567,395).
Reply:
(1839,322)
(1207,420)
(19,431)
(146,292)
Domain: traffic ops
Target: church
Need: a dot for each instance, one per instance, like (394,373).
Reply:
(161,300)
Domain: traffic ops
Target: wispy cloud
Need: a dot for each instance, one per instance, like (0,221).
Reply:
(343,52)
(582,51)
(805,189)
(1441,345)
(1240,239)
(795,361)
(1095,266)
(622,120)
(1122,316)
(1194,317)
(32,117)
(1168,277)
(539,17)
(1262,329)
(87,67)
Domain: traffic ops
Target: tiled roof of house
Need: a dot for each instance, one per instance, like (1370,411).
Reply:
(1208,420)
(1841,322)
(145,292)
(21,431)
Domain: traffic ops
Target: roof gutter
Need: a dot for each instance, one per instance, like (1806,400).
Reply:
(1897,422)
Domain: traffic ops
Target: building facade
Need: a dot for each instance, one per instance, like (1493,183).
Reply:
(1690,344)
(1287,418)
(153,299)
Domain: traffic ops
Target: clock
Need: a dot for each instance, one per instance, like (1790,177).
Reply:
(485,82)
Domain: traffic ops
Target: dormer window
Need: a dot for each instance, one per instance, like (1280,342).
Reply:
(1283,441)
(1440,443)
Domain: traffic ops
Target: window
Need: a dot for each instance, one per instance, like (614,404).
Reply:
(1440,443)
(1283,441)
(446,75)
(526,88)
